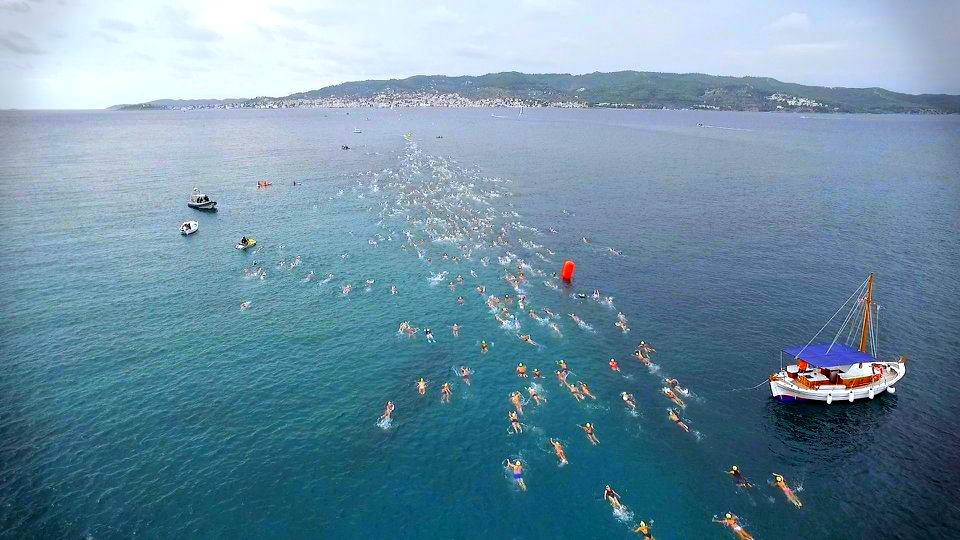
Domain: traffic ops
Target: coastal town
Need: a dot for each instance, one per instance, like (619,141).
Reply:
(380,100)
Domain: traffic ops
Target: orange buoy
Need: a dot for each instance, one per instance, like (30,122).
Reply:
(567,272)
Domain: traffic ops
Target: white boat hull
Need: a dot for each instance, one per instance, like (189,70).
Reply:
(785,389)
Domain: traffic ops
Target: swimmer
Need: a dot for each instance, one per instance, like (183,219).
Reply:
(733,522)
(614,365)
(536,397)
(562,377)
(628,399)
(245,305)
(739,478)
(521,371)
(422,387)
(459,300)
(515,422)
(388,412)
(427,333)
(558,449)
(456,330)
(482,290)
(782,484)
(528,340)
(517,401)
(550,314)
(576,392)
(644,530)
(585,390)
(484,347)
(612,497)
(445,393)
(591,433)
(614,252)
(536,373)
(622,326)
(641,357)
(674,397)
(465,374)
(393,289)
(517,469)
(675,418)
(534,315)
(563,365)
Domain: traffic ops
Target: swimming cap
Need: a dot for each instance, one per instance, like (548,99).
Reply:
(728,516)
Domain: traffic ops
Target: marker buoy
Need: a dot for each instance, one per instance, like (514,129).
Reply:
(568,269)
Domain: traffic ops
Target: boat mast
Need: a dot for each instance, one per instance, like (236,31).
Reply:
(867,302)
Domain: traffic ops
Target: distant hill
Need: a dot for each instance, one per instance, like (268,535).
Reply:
(621,89)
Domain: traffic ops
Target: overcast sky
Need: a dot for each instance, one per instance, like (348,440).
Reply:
(92,54)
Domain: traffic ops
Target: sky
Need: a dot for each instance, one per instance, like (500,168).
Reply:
(83,54)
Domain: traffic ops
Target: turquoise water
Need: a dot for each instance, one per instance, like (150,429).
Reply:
(137,398)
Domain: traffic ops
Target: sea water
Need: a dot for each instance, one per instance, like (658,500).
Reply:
(138,398)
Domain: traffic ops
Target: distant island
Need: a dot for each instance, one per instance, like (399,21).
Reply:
(621,89)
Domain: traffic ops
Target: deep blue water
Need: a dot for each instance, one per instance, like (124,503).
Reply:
(136,398)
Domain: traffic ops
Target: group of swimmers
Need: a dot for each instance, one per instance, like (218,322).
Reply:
(502,308)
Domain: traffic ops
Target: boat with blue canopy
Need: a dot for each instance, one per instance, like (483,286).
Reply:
(839,370)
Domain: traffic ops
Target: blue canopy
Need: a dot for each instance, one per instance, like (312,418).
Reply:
(818,355)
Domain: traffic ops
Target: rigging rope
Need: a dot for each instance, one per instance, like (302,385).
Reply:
(765,381)
(831,318)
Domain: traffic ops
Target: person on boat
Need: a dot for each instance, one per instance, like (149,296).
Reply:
(614,365)
(517,401)
(536,373)
(674,397)
(535,396)
(517,469)
(243,241)
(628,399)
(675,418)
(465,374)
(612,497)
(585,390)
(387,412)
(484,347)
(739,478)
(521,370)
(591,433)
(782,484)
(515,422)
(558,449)
(422,386)
(445,392)
(733,522)
(644,530)
(576,392)
(456,330)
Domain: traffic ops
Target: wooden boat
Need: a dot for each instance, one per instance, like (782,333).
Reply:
(837,371)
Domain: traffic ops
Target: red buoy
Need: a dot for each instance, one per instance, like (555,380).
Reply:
(567,272)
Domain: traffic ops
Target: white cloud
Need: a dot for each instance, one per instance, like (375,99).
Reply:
(791,21)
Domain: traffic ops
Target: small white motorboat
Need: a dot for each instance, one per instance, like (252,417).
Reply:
(836,371)
(189,227)
(357,130)
(199,201)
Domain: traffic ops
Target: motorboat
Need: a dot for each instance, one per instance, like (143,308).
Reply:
(189,227)
(246,242)
(835,371)
(200,201)
(357,130)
